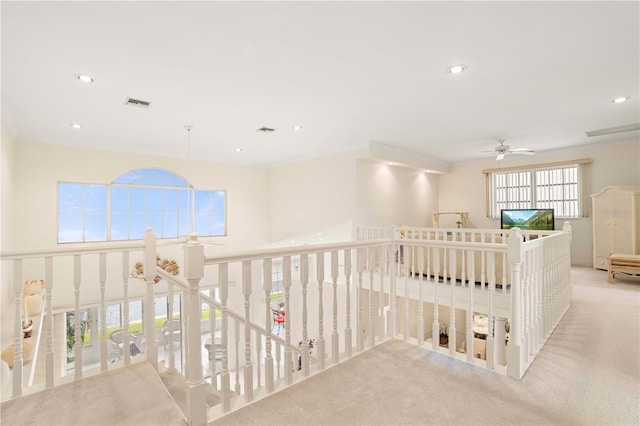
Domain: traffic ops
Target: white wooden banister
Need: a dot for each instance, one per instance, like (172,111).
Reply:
(102,278)
(77,278)
(335,342)
(149,266)
(514,348)
(320,351)
(347,331)
(49,357)
(248,366)
(268,322)
(17,330)
(125,308)
(194,271)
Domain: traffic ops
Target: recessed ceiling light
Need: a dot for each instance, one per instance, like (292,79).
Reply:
(296,128)
(620,100)
(76,126)
(84,78)
(238,149)
(456,69)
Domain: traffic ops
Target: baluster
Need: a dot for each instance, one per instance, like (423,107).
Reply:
(470,310)
(149,270)
(237,351)
(278,358)
(170,331)
(347,332)
(286,277)
(49,357)
(394,261)
(335,343)
(320,343)
(491,264)
(17,332)
(225,385)
(213,354)
(248,366)
(304,280)
(371,322)
(102,258)
(267,269)
(435,328)
(360,320)
(514,256)
(527,303)
(451,341)
(194,271)
(408,250)
(420,331)
(77,277)
(125,287)
(382,271)
(258,339)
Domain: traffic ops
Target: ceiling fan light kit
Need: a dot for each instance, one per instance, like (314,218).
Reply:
(503,150)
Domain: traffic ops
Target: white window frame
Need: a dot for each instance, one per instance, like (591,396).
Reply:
(561,186)
(179,184)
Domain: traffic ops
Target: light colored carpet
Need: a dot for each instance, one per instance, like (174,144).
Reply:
(132,395)
(587,373)
(176,384)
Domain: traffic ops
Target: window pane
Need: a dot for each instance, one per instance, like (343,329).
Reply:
(155,222)
(184,225)
(136,226)
(136,200)
(70,197)
(154,200)
(170,201)
(119,227)
(203,202)
(170,226)
(95,227)
(202,224)
(218,198)
(183,201)
(119,199)
(95,198)
(218,225)
(70,228)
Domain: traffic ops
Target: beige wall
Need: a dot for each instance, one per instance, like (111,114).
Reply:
(313,195)
(613,164)
(394,195)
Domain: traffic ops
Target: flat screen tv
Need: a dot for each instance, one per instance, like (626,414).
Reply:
(529,219)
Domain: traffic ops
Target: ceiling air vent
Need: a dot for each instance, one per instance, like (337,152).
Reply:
(265,129)
(137,102)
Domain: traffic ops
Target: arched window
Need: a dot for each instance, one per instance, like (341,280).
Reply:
(123,209)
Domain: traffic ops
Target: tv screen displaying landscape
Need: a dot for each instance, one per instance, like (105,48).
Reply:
(531,219)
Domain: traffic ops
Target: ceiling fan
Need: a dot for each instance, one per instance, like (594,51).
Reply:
(500,151)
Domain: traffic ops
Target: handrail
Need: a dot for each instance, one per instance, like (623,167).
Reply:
(294,251)
(63,250)
(182,283)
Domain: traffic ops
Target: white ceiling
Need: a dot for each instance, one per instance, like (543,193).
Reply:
(539,74)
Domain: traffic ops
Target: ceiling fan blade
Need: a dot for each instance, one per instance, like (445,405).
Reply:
(523,152)
(520,149)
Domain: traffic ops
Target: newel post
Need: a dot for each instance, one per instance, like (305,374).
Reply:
(194,271)
(149,268)
(514,348)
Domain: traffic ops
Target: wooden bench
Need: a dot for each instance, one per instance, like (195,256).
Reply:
(623,263)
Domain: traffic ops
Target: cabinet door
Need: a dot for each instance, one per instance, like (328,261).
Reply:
(623,224)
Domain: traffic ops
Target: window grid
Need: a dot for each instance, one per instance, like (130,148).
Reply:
(557,188)
(123,210)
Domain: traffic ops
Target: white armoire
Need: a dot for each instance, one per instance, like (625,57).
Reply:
(616,223)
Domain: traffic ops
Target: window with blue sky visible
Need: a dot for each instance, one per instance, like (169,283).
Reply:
(123,209)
